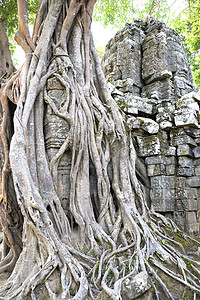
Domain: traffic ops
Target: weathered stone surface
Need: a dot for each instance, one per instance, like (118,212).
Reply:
(146,124)
(196,152)
(185,117)
(149,145)
(163,182)
(163,199)
(154,170)
(163,105)
(191,223)
(136,286)
(185,172)
(170,170)
(54,84)
(194,181)
(184,150)
(180,137)
(185,162)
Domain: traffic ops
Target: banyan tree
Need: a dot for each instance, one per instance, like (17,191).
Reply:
(73,203)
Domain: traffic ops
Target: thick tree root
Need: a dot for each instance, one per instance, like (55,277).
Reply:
(117,236)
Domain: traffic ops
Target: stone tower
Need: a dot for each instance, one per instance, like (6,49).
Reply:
(149,76)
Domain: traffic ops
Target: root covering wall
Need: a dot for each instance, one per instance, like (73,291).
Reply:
(149,76)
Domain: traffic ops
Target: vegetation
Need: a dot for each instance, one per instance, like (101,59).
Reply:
(187,25)
(109,234)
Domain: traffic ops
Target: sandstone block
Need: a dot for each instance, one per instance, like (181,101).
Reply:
(197,171)
(185,171)
(184,150)
(147,125)
(185,118)
(170,169)
(185,161)
(169,151)
(149,145)
(154,170)
(163,199)
(163,182)
(136,286)
(196,152)
(193,181)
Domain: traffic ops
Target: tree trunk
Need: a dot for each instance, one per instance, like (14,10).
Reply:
(89,237)
(10,214)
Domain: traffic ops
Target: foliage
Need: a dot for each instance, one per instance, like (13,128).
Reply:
(9,15)
(157,8)
(187,25)
(118,13)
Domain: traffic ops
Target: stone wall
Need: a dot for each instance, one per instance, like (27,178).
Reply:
(149,76)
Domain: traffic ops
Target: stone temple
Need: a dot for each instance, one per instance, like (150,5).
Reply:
(150,77)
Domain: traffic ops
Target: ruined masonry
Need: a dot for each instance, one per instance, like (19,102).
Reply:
(149,76)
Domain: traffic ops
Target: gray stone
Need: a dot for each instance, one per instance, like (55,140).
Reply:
(196,152)
(193,181)
(136,286)
(165,125)
(163,182)
(163,199)
(184,150)
(183,139)
(154,170)
(169,151)
(170,169)
(197,141)
(160,159)
(185,171)
(146,124)
(54,84)
(185,162)
(185,118)
(149,145)
(197,171)
(139,63)
(191,226)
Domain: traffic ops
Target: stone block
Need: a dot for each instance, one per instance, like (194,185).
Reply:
(196,152)
(160,159)
(146,124)
(179,218)
(193,132)
(193,181)
(163,182)
(197,140)
(169,151)
(54,84)
(185,171)
(187,101)
(185,162)
(191,224)
(187,199)
(154,160)
(183,139)
(166,125)
(184,150)
(170,169)
(136,286)
(196,162)
(180,182)
(197,171)
(154,170)
(163,200)
(149,145)
(185,118)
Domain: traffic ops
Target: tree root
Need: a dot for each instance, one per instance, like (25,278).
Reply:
(114,235)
